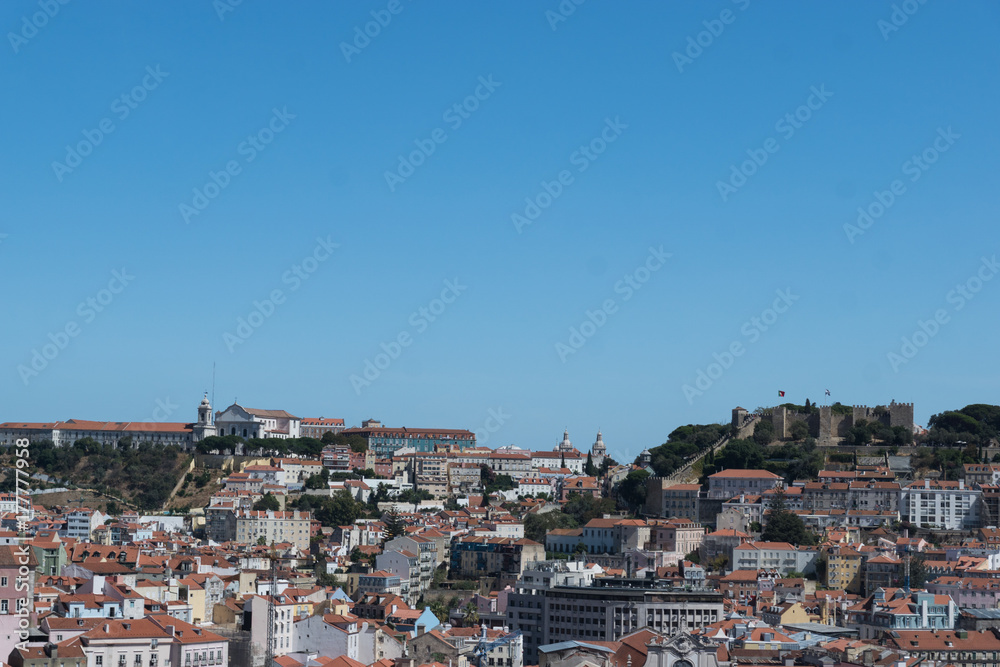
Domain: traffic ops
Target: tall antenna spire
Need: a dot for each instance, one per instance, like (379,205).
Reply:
(906,585)
(212,417)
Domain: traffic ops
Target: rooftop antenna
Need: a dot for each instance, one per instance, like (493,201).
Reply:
(210,416)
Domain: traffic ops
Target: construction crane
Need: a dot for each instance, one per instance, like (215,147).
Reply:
(272,614)
(484,646)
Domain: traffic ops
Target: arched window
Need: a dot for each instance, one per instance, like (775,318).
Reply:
(244,433)
(234,430)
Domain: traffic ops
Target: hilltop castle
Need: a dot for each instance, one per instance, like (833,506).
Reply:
(830,424)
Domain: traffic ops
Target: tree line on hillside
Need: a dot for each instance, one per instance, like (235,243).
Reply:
(977,424)
(147,473)
(682,443)
(304,447)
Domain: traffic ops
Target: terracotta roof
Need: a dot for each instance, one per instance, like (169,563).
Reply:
(745,474)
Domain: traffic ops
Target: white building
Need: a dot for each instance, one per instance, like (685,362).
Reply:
(253,423)
(284,626)
(941,504)
(530,486)
(780,556)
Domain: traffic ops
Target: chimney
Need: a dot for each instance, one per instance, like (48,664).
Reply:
(169,630)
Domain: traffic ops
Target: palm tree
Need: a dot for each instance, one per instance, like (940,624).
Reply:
(470,614)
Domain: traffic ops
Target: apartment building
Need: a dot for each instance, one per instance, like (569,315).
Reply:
(882,571)
(336,458)
(678,535)
(843,570)
(941,504)
(730,483)
(874,495)
(893,610)
(317,427)
(272,526)
(503,557)
(609,609)
(981,473)
(779,556)
(672,500)
(823,496)
(385,441)
(961,648)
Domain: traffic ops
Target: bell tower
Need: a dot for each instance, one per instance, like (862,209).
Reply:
(205,426)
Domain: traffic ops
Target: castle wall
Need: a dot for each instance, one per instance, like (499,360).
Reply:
(827,427)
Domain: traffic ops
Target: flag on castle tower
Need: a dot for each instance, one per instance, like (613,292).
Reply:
(781,393)
(827,392)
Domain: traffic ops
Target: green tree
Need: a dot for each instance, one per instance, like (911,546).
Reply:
(632,490)
(741,454)
(414,496)
(763,432)
(440,609)
(501,483)
(356,442)
(590,470)
(537,525)
(470,614)
(799,430)
(394,525)
(318,480)
(261,541)
(719,563)
(694,557)
(584,507)
(267,502)
(785,526)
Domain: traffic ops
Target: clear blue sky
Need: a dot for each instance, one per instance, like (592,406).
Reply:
(677,126)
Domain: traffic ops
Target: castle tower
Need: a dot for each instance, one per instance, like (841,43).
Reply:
(645,458)
(205,426)
(598,451)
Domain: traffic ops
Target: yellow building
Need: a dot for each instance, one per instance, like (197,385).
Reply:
(843,570)
(784,613)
